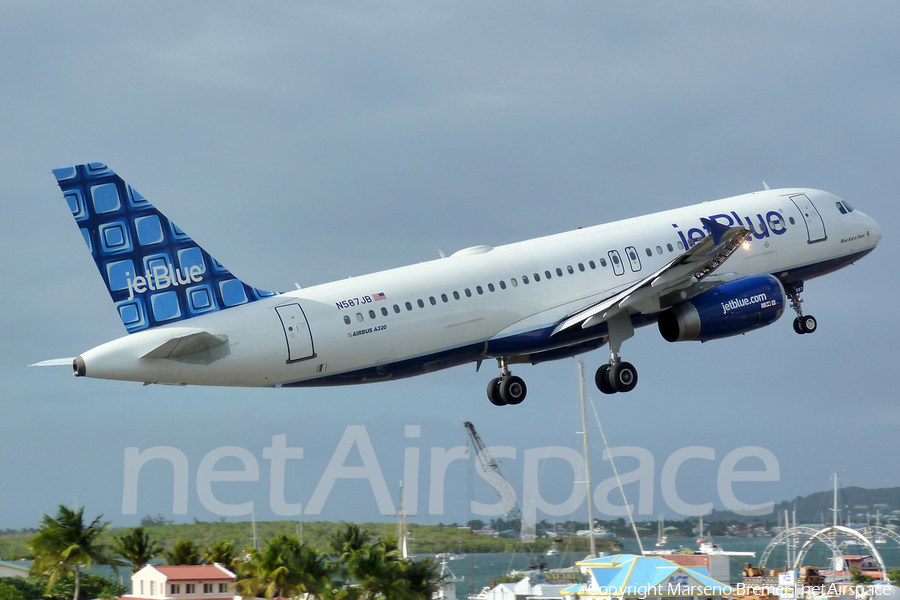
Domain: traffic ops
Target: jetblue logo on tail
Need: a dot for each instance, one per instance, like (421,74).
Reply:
(127,236)
(161,278)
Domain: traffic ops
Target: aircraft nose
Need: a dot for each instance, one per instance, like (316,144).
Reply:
(874,230)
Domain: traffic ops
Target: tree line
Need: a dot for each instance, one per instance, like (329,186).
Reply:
(356,565)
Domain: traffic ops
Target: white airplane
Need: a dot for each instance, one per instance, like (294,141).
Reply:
(702,272)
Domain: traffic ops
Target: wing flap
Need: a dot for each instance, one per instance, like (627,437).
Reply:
(696,263)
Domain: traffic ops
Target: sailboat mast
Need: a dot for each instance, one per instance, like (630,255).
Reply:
(587,463)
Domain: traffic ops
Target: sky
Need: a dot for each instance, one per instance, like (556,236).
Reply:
(308,142)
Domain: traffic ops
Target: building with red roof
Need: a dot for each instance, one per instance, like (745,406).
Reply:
(182,582)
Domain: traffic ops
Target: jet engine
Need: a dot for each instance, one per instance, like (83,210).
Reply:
(730,309)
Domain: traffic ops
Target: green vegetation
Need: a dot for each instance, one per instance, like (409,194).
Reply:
(64,545)
(136,547)
(894,576)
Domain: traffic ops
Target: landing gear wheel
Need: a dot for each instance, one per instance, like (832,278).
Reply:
(493,392)
(808,323)
(513,390)
(798,328)
(601,378)
(623,376)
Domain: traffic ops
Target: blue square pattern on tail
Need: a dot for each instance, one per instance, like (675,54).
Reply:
(154,272)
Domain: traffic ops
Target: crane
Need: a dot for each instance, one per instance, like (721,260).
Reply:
(492,473)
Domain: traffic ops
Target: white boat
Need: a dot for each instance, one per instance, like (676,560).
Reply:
(447,589)
(661,538)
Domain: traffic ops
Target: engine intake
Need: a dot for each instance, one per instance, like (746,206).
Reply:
(730,309)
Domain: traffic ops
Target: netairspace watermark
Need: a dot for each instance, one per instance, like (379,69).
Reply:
(356,438)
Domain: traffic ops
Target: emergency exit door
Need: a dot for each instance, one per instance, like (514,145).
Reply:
(296,332)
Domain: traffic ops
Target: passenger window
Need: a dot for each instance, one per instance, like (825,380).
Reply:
(479,290)
(548,275)
(602,262)
(468,293)
(347,319)
(558,272)
(632,255)
(525,279)
(669,247)
(456,295)
(581,267)
(490,287)
(371,314)
(592,265)
(445,298)
(359,317)
(408,306)
(648,251)
(432,300)
(659,249)
(513,282)
(384,311)
(537,277)
(420,303)
(502,285)
(396,309)
(791,220)
(615,258)
(680,246)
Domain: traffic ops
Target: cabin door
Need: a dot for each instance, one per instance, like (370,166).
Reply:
(815,226)
(296,332)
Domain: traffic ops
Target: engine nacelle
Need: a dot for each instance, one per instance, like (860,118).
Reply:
(730,309)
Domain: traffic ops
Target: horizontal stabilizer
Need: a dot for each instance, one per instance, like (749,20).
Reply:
(190,343)
(56,362)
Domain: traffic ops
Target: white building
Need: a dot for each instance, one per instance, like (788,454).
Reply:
(11,569)
(183,582)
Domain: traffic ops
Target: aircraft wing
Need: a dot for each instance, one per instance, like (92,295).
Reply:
(684,270)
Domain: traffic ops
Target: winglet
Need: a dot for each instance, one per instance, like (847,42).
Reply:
(716,229)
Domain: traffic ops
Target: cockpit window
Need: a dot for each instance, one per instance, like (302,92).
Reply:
(844,206)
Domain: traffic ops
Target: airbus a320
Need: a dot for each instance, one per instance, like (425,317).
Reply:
(701,272)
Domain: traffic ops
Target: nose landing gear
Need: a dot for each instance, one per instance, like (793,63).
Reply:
(506,389)
(803,323)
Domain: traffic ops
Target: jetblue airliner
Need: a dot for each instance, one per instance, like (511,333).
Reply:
(702,272)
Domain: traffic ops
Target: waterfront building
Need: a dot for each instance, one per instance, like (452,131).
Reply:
(631,577)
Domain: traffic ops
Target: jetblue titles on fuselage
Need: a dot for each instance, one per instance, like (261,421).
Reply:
(694,271)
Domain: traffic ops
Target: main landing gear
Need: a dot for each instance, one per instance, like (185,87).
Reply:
(506,389)
(803,323)
(618,375)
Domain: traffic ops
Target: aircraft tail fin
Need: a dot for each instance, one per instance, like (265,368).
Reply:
(154,272)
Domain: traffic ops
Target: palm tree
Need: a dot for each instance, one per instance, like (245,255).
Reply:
(221,552)
(64,544)
(351,538)
(137,548)
(286,568)
(185,552)
(421,579)
(378,570)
